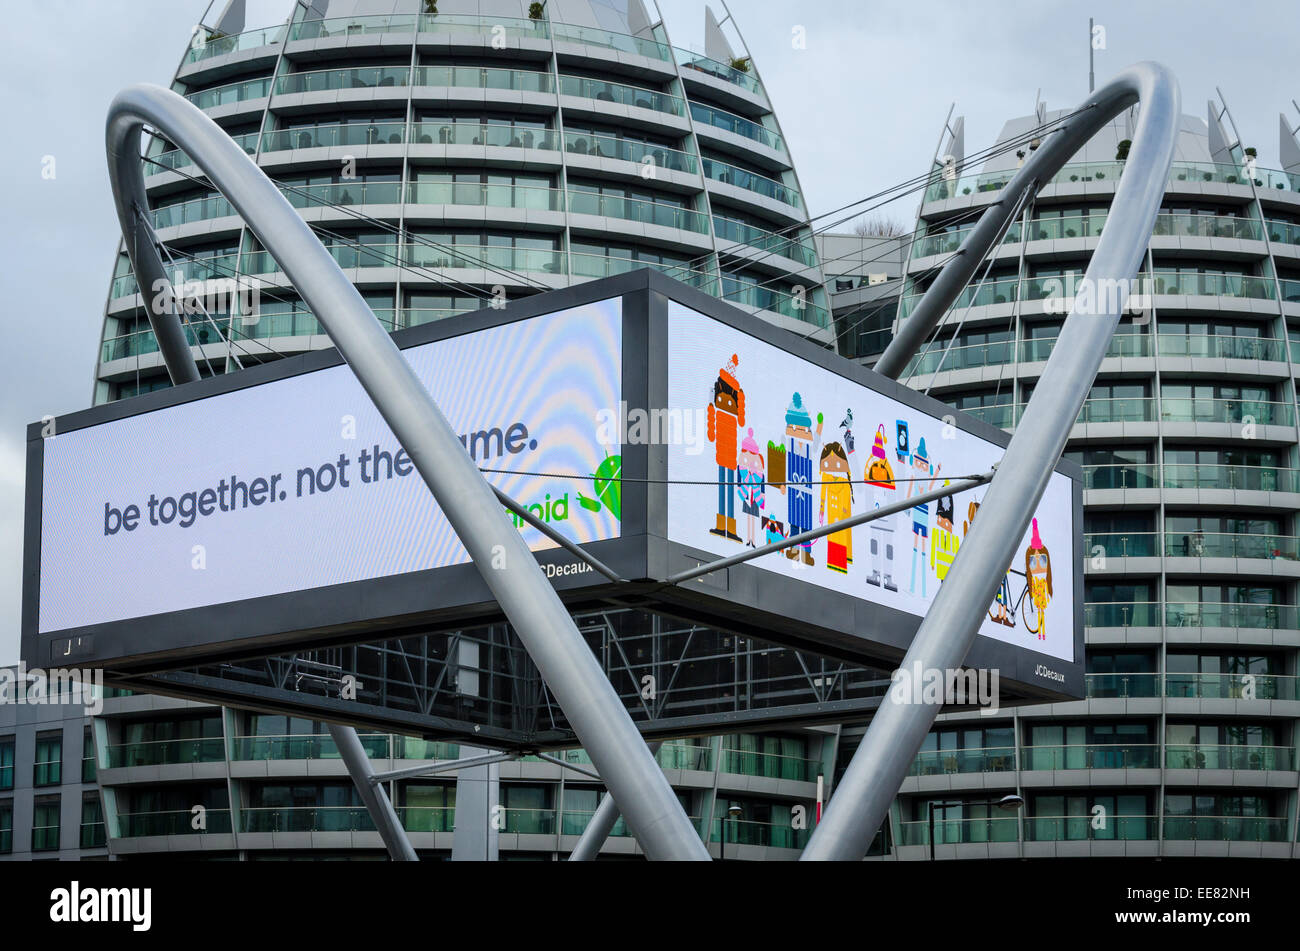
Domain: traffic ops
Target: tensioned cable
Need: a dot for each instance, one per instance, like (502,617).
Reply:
(710,482)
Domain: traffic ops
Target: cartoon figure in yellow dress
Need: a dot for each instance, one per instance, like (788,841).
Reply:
(1038,569)
(836,505)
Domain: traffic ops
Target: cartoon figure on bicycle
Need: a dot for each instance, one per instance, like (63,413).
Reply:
(1036,593)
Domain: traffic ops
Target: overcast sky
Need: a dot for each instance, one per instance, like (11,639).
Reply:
(861,104)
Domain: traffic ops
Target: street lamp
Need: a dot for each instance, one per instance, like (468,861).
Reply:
(733,812)
(1010,803)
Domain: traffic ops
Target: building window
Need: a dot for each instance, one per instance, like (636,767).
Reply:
(45,826)
(88,772)
(7,763)
(6,827)
(48,769)
(92,823)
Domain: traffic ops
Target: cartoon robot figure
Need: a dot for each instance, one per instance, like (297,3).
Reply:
(879,476)
(802,446)
(753,488)
(1002,600)
(944,547)
(836,505)
(921,510)
(1038,569)
(726,416)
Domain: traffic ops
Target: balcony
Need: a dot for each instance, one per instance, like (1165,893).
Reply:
(1224,545)
(475,194)
(728,229)
(960,831)
(205,47)
(208,749)
(1220,346)
(773,301)
(773,835)
(306,819)
(326,80)
(329,136)
(737,125)
(604,265)
(1213,285)
(575,822)
(1209,410)
(1122,544)
(176,159)
(623,43)
(758,184)
(484,77)
(1226,828)
(1091,756)
(476,133)
(637,97)
(1117,410)
(631,209)
(629,150)
(1270,617)
(1231,686)
(175,822)
(1082,828)
(1122,686)
(487,257)
(771,765)
(190,212)
(711,67)
(1229,756)
(427,818)
(436,24)
(1212,476)
(231,93)
(999,759)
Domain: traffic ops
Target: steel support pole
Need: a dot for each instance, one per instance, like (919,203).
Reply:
(878,767)
(507,566)
(601,825)
(372,793)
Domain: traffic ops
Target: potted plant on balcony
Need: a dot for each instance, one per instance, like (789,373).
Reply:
(431,8)
(739,63)
(535,10)
(1121,150)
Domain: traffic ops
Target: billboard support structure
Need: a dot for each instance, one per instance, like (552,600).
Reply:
(878,767)
(496,548)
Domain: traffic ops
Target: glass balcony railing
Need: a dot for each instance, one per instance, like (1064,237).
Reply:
(208,749)
(737,125)
(1180,174)
(1117,410)
(415,316)
(175,158)
(632,209)
(290,323)
(438,24)
(1122,685)
(965,357)
(1142,475)
(723,71)
(1211,476)
(353,26)
(1121,345)
(361,77)
(589,36)
(1001,415)
(1224,545)
(1084,828)
(479,195)
(485,77)
(347,255)
(773,835)
(582,87)
(628,150)
(328,136)
(728,229)
(1229,347)
(427,818)
(1282,232)
(143,341)
(1122,544)
(176,822)
(189,212)
(1207,410)
(673,754)
(575,822)
(485,256)
(960,831)
(759,184)
(1230,614)
(1225,828)
(603,265)
(231,93)
(1213,285)
(528,821)
(1208,226)
(205,46)
(476,133)
(1122,614)
(1228,756)
(344,193)
(1232,686)
(774,301)
(305,746)
(306,819)
(771,765)
(1091,756)
(1000,759)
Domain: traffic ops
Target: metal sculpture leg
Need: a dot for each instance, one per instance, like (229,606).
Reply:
(876,772)
(372,793)
(601,825)
(495,546)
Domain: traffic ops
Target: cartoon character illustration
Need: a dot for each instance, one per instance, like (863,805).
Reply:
(836,505)
(608,482)
(902,447)
(726,416)
(1002,600)
(921,510)
(774,529)
(1038,569)
(753,488)
(802,444)
(944,548)
(879,475)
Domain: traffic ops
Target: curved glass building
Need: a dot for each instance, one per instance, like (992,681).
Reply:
(458,152)
(1186,743)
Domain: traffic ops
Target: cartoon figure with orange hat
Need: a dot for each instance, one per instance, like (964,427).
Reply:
(726,416)
(836,505)
(1038,569)
(879,476)
(753,488)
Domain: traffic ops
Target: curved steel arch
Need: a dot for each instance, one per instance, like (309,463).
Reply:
(527,598)
(879,765)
